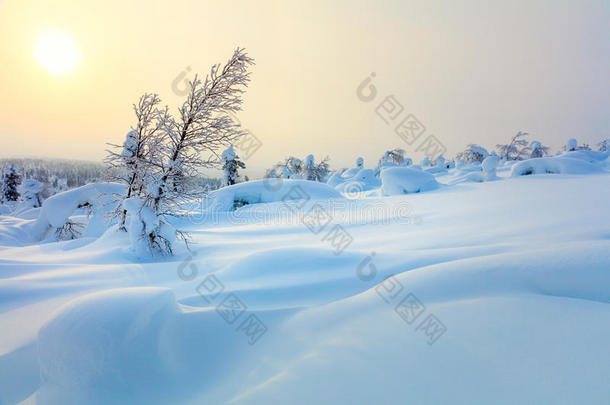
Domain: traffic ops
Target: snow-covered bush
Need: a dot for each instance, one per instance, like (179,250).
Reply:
(554,165)
(404,180)
(32,193)
(604,146)
(294,168)
(261,191)
(230,166)
(571,145)
(516,149)
(54,216)
(489,166)
(536,150)
(472,154)
(11,179)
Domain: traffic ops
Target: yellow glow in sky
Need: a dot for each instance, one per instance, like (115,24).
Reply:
(56,52)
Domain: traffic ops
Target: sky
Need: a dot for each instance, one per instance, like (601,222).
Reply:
(469,71)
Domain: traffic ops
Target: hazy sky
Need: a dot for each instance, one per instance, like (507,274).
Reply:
(470,71)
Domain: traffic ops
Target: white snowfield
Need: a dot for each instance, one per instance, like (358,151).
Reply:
(481,292)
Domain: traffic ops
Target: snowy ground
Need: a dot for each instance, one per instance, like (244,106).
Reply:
(474,293)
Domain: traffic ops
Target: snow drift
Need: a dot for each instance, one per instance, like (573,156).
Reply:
(404,180)
(554,165)
(268,191)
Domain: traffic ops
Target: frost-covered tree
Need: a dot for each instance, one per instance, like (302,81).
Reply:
(309,168)
(230,166)
(604,146)
(516,149)
(472,154)
(571,145)
(396,156)
(313,171)
(536,150)
(133,162)
(11,179)
(32,193)
(203,127)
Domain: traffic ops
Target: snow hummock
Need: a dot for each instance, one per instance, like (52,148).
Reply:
(268,191)
(404,180)
(554,165)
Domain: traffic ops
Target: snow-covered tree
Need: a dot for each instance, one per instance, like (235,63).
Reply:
(11,179)
(203,126)
(32,193)
(604,146)
(230,166)
(313,171)
(396,156)
(536,150)
(473,153)
(309,168)
(360,162)
(571,145)
(132,163)
(516,149)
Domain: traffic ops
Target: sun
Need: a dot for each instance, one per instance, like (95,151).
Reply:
(56,52)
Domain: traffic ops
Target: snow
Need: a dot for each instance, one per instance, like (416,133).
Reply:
(404,180)
(554,165)
(520,287)
(267,191)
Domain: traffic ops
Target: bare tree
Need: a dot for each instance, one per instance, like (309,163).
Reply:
(516,149)
(133,161)
(190,142)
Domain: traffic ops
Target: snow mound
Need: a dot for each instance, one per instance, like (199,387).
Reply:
(591,156)
(403,180)
(364,180)
(553,165)
(268,191)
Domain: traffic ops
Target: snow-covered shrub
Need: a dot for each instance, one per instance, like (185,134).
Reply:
(604,146)
(56,210)
(404,180)
(11,179)
(473,154)
(364,180)
(516,149)
(230,166)
(147,230)
(489,166)
(554,165)
(571,145)
(32,193)
(259,192)
(536,150)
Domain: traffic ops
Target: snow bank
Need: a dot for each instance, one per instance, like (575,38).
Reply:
(403,180)
(553,165)
(268,191)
